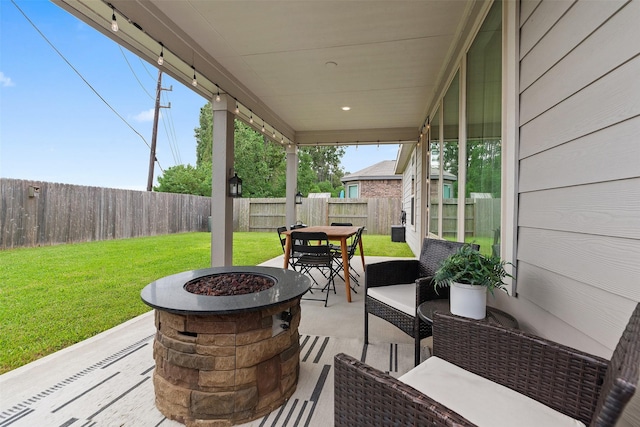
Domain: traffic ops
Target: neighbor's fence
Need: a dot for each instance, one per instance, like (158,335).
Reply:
(377,215)
(42,213)
(482,217)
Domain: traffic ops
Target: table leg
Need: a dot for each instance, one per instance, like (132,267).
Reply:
(345,266)
(287,251)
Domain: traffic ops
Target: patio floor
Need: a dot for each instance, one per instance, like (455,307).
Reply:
(106,380)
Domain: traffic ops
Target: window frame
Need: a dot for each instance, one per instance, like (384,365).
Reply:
(509,133)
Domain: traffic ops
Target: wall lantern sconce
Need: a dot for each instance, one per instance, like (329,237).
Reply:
(298,198)
(235,186)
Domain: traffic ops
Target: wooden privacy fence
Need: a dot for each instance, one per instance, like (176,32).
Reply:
(482,217)
(41,213)
(376,214)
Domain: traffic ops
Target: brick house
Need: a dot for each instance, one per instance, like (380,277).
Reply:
(379,180)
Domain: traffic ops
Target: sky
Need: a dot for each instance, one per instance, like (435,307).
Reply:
(84,115)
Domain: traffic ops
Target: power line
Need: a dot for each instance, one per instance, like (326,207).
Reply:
(79,74)
(171,136)
(134,73)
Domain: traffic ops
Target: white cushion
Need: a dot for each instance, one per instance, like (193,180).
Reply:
(479,400)
(401,297)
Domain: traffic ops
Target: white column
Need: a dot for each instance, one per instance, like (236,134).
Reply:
(423,150)
(221,171)
(292,184)
(510,135)
(462,150)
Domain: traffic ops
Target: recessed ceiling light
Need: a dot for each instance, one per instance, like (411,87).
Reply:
(345,108)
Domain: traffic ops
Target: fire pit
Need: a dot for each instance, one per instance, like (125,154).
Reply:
(227,342)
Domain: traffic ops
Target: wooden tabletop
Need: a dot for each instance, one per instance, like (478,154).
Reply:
(333,231)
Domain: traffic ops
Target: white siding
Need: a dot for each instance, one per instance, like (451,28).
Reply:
(579,184)
(412,230)
(578,179)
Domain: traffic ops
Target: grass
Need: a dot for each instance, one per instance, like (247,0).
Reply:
(55,296)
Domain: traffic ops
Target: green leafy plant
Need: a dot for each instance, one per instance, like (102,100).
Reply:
(471,267)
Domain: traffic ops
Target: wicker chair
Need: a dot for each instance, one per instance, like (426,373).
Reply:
(401,273)
(579,385)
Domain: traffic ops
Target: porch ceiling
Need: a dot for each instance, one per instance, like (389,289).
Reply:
(274,58)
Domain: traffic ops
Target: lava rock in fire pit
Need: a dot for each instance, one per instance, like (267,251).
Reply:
(229,284)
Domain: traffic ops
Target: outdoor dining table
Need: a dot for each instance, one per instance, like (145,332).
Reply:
(334,232)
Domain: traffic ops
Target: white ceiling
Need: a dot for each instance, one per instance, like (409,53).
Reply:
(272,57)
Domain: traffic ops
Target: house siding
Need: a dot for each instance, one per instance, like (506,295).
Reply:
(413,232)
(578,220)
(380,188)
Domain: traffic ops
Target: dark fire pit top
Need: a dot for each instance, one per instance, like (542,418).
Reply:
(169,293)
(229,284)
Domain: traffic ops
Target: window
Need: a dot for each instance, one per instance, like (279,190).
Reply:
(484,128)
(450,150)
(448,191)
(434,174)
(466,143)
(352,191)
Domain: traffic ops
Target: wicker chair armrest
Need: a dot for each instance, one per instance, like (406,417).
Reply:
(365,396)
(391,272)
(426,292)
(558,376)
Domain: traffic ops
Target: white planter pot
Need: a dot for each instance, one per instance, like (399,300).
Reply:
(468,300)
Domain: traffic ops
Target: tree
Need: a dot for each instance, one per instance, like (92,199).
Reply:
(483,165)
(204,135)
(307,177)
(185,179)
(260,163)
(325,161)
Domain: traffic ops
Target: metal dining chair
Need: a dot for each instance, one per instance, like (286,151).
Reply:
(314,253)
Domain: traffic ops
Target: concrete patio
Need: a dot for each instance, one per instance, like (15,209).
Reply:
(106,380)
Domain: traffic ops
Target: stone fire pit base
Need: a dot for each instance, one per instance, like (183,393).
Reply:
(225,369)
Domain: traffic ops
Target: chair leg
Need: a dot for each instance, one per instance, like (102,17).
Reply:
(352,271)
(366,323)
(417,349)
(330,283)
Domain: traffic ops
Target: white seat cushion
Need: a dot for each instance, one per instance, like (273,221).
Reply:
(479,400)
(401,297)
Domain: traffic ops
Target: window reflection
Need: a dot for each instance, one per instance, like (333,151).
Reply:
(450,146)
(484,126)
(434,188)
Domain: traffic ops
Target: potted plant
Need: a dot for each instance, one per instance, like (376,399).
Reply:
(470,274)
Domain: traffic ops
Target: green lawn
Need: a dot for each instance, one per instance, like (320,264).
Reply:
(54,296)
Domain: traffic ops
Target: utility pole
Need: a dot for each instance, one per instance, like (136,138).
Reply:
(154,136)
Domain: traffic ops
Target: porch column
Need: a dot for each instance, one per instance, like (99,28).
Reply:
(425,184)
(221,170)
(292,184)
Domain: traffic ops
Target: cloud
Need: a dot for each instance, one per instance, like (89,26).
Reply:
(145,116)
(5,81)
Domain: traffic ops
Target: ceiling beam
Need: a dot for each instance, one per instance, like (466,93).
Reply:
(358,136)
